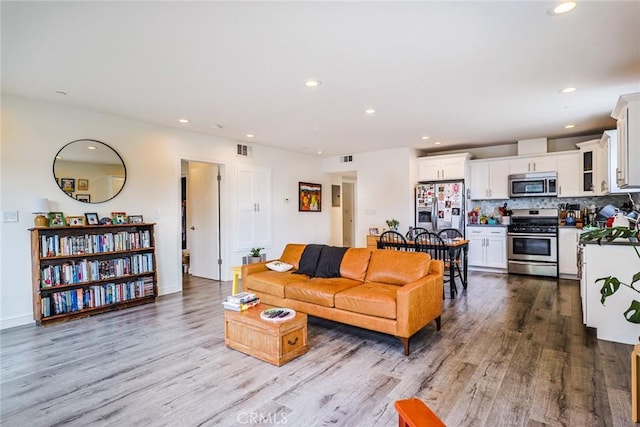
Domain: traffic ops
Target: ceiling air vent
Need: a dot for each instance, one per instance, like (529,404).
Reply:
(346,159)
(243,150)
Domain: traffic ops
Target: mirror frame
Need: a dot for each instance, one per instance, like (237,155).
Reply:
(124,167)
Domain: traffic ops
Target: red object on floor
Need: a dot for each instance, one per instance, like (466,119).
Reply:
(414,413)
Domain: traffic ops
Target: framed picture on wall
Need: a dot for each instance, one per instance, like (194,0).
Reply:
(309,197)
(68,185)
(86,198)
(83,185)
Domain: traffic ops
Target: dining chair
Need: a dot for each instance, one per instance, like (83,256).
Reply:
(392,240)
(433,244)
(451,234)
(411,234)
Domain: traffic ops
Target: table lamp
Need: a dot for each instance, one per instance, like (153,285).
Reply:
(40,207)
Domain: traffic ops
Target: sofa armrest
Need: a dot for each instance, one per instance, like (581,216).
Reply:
(255,267)
(420,302)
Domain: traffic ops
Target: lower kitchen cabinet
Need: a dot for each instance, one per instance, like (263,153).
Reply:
(487,246)
(613,259)
(568,252)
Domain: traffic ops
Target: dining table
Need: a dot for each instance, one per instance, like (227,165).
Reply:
(452,248)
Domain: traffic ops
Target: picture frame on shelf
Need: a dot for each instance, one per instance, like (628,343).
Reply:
(56,219)
(135,219)
(85,198)
(119,218)
(68,185)
(75,221)
(374,231)
(83,185)
(309,197)
(92,218)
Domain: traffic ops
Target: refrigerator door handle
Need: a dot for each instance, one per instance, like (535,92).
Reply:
(434,214)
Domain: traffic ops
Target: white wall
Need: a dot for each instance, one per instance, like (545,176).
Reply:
(384,188)
(33,132)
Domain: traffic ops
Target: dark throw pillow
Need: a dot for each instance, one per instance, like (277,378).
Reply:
(309,260)
(329,262)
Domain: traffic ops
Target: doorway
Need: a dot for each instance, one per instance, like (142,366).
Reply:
(348,213)
(202,221)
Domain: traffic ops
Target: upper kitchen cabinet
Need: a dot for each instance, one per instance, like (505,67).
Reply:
(545,163)
(488,179)
(607,165)
(445,167)
(590,168)
(627,114)
(568,173)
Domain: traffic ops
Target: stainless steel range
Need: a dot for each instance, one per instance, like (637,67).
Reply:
(533,242)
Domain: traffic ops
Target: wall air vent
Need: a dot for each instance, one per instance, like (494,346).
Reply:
(346,159)
(243,150)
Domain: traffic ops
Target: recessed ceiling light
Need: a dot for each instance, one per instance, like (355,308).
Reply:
(569,126)
(319,151)
(250,135)
(424,138)
(437,143)
(564,7)
(91,147)
(183,121)
(568,90)
(312,83)
(370,111)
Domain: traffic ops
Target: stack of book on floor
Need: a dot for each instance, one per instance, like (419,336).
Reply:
(241,301)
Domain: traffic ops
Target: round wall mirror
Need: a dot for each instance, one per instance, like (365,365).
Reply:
(89,171)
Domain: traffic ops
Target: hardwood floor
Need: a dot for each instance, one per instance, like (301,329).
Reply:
(512,352)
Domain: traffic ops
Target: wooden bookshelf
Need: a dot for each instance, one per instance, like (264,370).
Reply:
(86,270)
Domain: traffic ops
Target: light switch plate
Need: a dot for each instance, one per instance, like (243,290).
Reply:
(10,216)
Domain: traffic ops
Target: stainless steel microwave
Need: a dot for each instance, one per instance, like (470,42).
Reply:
(533,184)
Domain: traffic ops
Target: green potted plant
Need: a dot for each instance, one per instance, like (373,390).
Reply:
(393,224)
(611,284)
(255,255)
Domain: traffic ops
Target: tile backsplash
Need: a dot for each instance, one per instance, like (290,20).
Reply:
(491,206)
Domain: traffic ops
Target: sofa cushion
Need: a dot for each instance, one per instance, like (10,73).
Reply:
(374,299)
(309,260)
(329,261)
(397,267)
(354,263)
(292,253)
(271,282)
(319,291)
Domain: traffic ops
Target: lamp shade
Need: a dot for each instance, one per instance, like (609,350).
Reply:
(40,206)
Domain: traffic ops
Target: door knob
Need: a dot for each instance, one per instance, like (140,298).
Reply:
(192,227)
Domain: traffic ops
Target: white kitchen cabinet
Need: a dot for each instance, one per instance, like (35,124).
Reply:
(253,207)
(609,159)
(543,163)
(627,114)
(568,184)
(598,261)
(488,179)
(568,252)
(445,167)
(487,246)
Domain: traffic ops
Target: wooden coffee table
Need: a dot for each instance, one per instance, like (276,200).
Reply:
(273,342)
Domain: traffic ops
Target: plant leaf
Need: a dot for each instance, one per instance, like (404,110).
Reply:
(610,286)
(636,277)
(633,312)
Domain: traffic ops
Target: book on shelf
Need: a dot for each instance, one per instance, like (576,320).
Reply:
(229,305)
(241,298)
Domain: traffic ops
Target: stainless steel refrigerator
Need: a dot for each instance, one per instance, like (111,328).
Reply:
(440,205)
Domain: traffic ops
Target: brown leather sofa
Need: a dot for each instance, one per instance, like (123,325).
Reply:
(392,292)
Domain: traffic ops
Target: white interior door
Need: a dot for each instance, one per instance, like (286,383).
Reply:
(202,219)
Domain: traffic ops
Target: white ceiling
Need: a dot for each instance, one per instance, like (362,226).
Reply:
(464,73)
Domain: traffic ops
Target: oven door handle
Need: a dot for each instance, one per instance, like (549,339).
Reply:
(532,235)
